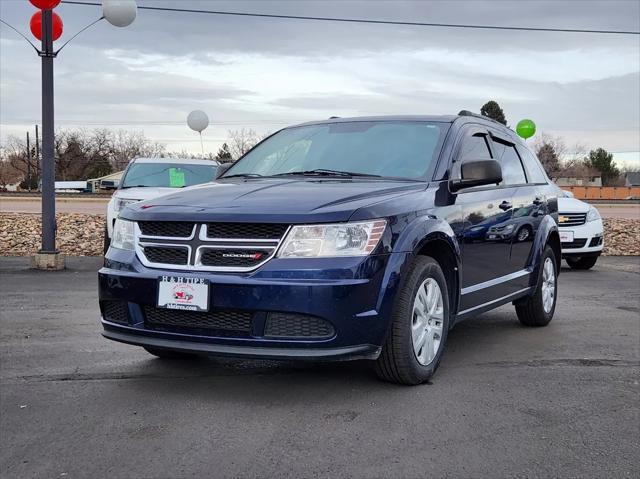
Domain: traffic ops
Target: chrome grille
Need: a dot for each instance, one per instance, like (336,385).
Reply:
(207,246)
(571,219)
(180,229)
(245,230)
(167,254)
(233,257)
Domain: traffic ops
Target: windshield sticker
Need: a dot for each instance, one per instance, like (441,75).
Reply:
(176,178)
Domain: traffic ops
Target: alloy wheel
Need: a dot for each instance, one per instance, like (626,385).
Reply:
(428,321)
(548,285)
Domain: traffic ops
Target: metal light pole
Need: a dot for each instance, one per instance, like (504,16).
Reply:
(48,161)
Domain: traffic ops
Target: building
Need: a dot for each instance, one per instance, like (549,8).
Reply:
(108,182)
(632,178)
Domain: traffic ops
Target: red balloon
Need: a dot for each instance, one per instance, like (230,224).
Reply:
(45,4)
(36,25)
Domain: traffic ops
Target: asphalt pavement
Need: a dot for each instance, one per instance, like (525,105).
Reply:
(507,401)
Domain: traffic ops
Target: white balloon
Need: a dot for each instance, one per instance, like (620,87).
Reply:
(120,13)
(198,120)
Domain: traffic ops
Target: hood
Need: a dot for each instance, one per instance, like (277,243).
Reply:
(289,200)
(142,193)
(572,205)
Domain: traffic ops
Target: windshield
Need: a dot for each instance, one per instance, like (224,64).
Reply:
(170,175)
(391,149)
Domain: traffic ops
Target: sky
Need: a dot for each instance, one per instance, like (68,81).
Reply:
(269,73)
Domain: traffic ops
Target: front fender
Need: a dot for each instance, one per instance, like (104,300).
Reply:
(413,237)
(433,237)
(547,234)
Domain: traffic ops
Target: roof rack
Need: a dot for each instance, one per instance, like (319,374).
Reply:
(477,115)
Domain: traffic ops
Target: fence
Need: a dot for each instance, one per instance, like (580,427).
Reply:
(604,192)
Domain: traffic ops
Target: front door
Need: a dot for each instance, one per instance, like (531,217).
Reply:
(485,254)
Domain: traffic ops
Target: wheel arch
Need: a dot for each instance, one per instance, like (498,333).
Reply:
(442,249)
(548,234)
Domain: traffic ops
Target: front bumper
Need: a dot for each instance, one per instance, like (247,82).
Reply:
(588,240)
(353,295)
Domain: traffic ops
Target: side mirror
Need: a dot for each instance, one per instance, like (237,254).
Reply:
(478,173)
(222,169)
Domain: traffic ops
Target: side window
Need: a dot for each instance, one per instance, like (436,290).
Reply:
(474,147)
(533,166)
(512,171)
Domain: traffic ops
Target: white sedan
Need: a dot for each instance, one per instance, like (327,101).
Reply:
(581,232)
(147,178)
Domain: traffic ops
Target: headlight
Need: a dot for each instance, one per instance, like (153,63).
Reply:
(120,204)
(593,214)
(509,228)
(123,235)
(341,239)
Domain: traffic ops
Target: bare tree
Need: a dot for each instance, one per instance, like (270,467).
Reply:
(9,174)
(127,145)
(14,150)
(241,141)
(81,154)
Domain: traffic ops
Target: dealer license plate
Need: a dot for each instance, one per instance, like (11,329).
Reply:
(177,292)
(566,236)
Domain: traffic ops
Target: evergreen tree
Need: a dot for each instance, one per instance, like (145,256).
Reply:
(492,110)
(602,160)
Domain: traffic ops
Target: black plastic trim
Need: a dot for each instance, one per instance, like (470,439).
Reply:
(362,351)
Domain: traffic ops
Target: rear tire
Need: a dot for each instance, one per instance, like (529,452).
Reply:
(420,317)
(585,262)
(168,353)
(537,310)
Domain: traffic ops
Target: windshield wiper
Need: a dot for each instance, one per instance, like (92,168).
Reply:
(327,172)
(242,175)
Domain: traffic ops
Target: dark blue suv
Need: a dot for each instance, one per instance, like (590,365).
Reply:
(340,239)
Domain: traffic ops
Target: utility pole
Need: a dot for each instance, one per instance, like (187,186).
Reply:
(38,165)
(28,164)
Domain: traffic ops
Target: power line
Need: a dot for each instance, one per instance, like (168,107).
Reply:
(369,21)
(21,121)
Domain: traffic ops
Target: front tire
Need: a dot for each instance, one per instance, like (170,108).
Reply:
(537,310)
(585,262)
(418,333)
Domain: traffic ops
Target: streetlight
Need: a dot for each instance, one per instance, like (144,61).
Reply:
(47,27)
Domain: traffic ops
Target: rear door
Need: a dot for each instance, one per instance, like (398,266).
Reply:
(528,209)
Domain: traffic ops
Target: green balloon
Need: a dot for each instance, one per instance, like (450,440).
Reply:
(526,128)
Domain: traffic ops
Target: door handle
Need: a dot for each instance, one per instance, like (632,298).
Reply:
(505,205)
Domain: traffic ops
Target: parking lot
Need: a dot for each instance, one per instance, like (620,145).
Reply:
(507,401)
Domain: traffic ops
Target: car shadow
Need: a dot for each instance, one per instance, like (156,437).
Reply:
(248,380)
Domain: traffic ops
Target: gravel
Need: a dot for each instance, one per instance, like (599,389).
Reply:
(82,235)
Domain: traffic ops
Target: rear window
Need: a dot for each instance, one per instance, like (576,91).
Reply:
(512,170)
(533,166)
